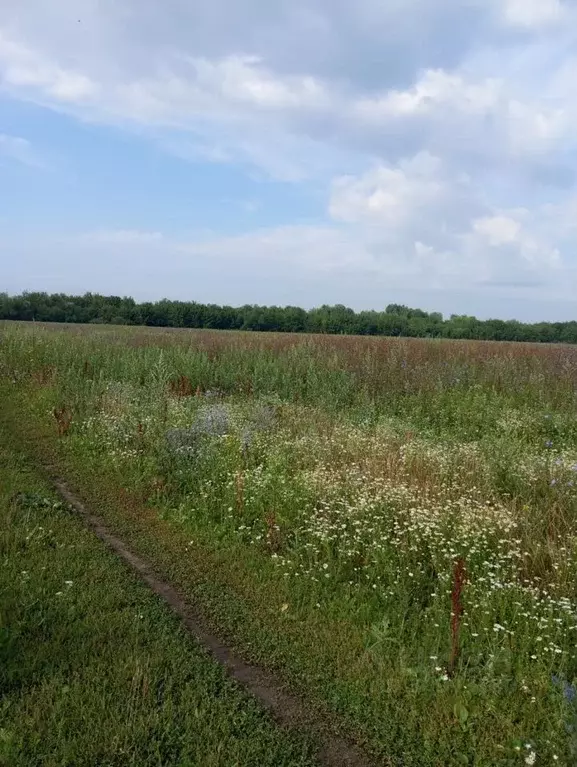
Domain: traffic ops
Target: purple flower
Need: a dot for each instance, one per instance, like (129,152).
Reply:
(569,691)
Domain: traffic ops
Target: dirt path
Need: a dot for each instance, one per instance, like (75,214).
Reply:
(287,709)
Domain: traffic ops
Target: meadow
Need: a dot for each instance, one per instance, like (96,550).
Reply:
(388,523)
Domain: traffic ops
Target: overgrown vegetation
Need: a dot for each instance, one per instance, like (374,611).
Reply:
(93,670)
(391,522)
(396,320)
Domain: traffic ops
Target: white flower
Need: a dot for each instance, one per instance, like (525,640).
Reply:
(531,758)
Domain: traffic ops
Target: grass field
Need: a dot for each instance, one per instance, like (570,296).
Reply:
(389,524)
(93,669)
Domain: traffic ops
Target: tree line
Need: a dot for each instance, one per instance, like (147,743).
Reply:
(395,320)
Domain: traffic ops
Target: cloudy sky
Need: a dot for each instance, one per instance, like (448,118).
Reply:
(283,151)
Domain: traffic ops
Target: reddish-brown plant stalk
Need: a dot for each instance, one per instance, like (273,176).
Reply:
(459,576)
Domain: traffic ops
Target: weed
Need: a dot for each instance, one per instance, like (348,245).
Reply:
(63,418)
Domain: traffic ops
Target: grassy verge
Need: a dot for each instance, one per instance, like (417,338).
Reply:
(94,670)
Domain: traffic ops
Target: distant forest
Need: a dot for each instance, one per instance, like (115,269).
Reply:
(396,320)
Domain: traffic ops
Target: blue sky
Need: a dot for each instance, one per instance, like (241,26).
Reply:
(422,152)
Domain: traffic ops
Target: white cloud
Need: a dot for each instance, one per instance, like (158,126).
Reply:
(498,230)
(180,89)
(388,195)
(502,249)
(419,219)
(435,89)
(27,70)
(21,150)
(120,237)
(310,249)
(238,106)
(513,233)
(245,79)
(532,13)
(14,146)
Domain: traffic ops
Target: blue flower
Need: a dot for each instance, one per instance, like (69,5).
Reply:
(569,690)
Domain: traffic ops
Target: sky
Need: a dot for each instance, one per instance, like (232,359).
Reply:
(289,152)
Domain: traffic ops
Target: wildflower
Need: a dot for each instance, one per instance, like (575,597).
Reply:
(531,757)
(569,690)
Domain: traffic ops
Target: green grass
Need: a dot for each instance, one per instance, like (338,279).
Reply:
(317,507)
(94,670)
